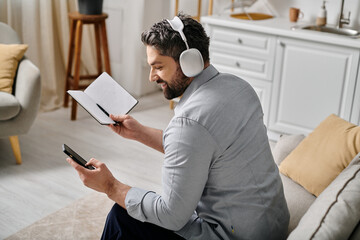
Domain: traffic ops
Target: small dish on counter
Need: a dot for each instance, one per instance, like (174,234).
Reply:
(251,16)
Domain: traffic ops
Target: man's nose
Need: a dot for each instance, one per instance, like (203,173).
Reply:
(153,77)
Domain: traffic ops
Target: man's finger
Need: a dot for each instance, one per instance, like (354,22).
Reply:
(94,162)
(75,165)
(118,118)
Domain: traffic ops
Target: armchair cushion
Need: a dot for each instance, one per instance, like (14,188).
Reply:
(10,56)
(9,106)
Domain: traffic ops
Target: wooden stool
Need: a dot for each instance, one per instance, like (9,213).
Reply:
(73,81)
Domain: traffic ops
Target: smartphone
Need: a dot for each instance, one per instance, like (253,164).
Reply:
(76,157)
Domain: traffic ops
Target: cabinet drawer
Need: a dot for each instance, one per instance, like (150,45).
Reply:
(258,68)
(241,42)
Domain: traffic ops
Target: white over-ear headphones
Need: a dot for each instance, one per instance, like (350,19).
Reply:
(191,61)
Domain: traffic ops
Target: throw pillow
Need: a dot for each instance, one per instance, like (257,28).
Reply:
(10,56)
(336,212)
(323,154)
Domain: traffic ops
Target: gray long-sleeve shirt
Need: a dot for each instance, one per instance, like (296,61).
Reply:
(219,178)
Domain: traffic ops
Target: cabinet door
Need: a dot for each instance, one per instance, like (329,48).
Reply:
(311,81)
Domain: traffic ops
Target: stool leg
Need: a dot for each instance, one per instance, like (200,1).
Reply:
(78,39)
(70,62)
(105,47)
(98,49)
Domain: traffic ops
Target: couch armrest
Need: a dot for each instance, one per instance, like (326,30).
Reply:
(27,92)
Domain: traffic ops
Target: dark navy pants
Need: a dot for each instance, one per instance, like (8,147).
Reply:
(119,225)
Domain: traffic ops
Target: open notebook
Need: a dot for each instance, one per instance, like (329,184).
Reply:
(104,96)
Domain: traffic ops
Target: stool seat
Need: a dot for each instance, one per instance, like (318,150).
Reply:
(73,81)
(87,18)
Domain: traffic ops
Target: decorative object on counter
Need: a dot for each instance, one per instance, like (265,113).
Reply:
(251,16)
(240,4)
(241,7)
(321,18)
(252,6)
(90,7)
(295,14)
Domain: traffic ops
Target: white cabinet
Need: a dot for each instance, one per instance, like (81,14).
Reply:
(311,81)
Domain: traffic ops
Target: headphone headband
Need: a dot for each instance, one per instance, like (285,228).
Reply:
(177,25)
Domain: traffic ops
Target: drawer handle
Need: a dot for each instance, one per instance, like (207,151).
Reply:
(238,64)
(240,41)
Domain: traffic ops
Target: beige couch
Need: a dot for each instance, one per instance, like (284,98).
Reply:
(334,214)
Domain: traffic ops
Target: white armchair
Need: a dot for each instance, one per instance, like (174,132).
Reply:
(18,110)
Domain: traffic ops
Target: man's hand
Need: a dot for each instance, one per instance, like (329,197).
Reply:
(101,179)
(127,126)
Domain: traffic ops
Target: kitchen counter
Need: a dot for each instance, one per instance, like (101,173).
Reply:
(282,27)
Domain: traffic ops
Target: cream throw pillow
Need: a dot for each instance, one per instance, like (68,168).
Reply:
(10,55)
(322,155)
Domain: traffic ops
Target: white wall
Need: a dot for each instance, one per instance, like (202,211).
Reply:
(127,20)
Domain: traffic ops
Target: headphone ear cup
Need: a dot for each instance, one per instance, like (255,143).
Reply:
(191,62)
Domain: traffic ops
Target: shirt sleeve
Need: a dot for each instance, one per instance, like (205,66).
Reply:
(189,152)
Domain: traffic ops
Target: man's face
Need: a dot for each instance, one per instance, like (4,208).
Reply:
(166,72)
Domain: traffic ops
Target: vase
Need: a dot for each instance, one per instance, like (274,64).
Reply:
(90,7)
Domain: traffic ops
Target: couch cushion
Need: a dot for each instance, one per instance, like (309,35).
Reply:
(298,200)
(285,145)
(9,59)
(336,212)
(9,106)
(322,155)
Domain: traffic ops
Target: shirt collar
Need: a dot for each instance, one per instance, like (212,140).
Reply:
(207,74)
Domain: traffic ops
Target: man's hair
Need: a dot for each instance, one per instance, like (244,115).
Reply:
(169,42)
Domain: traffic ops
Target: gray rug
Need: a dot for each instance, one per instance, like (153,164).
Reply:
(83,219)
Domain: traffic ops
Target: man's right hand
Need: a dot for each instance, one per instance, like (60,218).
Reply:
(127,126)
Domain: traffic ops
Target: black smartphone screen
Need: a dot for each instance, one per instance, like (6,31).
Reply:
(76,157)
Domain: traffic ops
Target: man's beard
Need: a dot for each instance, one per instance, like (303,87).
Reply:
(177,87)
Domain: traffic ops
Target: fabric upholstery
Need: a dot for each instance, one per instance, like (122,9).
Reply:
(322,155)
(9,106)
(9,59)
(26,91)
(336,212)
(285,145)
(297,198)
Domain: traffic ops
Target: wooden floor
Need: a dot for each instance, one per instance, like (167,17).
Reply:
(45,183)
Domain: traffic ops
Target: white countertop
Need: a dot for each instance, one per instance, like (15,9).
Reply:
(281,27)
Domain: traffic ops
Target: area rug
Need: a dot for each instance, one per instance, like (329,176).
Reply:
(83,219)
